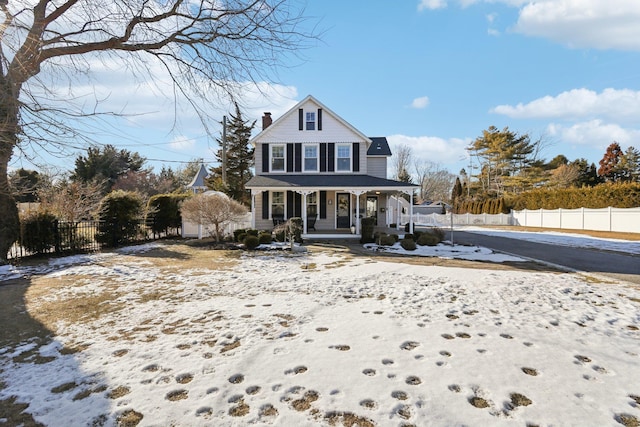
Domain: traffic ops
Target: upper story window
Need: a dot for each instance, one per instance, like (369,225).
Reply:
(311,121)
(277,158)
(343,157)
(311,158)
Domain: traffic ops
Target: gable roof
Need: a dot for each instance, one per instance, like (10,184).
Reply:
(379,147)
(294,110)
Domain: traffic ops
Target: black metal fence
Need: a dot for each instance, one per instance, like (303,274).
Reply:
(66,237)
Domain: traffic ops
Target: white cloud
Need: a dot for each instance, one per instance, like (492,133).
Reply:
(420,103)
(601,24)
(432,148)
(432,4)
(595,134)
(619,104)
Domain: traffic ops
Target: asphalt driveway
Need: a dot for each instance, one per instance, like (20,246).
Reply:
(616,265)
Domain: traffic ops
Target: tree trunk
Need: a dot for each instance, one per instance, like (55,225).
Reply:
(9,221)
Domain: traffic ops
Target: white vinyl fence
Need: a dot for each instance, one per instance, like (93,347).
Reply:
(444,220)
(607,219)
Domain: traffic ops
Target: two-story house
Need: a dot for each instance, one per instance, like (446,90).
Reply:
(311,163)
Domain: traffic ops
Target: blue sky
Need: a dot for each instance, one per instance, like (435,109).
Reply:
(433,74)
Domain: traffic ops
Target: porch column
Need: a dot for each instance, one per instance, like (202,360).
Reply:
(304,194)
(411,212)
(357,193)
(253,208)
(398,211)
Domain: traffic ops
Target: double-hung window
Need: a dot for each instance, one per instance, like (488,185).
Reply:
(310,158)
(277,158)
(277,203)
(343,157)
(311,121)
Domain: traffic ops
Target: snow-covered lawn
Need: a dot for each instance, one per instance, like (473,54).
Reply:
(322,338)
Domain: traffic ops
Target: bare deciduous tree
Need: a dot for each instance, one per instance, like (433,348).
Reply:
(212,208)
(435,182)
(401,163)
(204,46)
(71,201)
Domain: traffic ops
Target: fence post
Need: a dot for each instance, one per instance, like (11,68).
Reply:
(56,236)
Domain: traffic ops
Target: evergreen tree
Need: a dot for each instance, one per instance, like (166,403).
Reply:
(24,184)
(629,166)
(106,165)
(505,157)
(588,175)
(239,160)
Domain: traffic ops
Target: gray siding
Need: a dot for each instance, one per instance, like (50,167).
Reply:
(377,166)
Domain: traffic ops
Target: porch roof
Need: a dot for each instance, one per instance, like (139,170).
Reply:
(327,182)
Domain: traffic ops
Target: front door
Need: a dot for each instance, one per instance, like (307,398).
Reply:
(343,209)
(372,208)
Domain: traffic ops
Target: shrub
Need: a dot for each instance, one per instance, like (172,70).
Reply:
(439,233)
(251,242)
(408,244)
(417,234)
(409,236)
(428,239)
(280,235)
(119,218)
(295,228)
(387,240)
(239,232)
(252,232)
(241,237)
(163,212)
(38,232)
(264,238)
(395,237)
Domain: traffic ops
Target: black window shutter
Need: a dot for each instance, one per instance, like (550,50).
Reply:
(265,157)
(297,167)
(323,204)
(289,157)
(356,157)
(319,118)
(265,205)
(323,157)
(331,157)
(300,119)
(290,200)
(297,205)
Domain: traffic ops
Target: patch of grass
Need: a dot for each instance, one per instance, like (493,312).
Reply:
(64,387)
(129,418)
(478,402)
(347,419)
(518,399)
(119,392)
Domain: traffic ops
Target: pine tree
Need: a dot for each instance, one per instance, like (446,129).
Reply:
(239,160)
(629,165)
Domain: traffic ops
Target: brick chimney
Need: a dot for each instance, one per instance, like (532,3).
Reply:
(266,120)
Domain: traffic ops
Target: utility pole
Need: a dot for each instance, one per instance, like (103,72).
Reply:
(224,151)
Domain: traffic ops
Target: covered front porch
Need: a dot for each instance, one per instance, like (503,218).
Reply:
(329,209)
